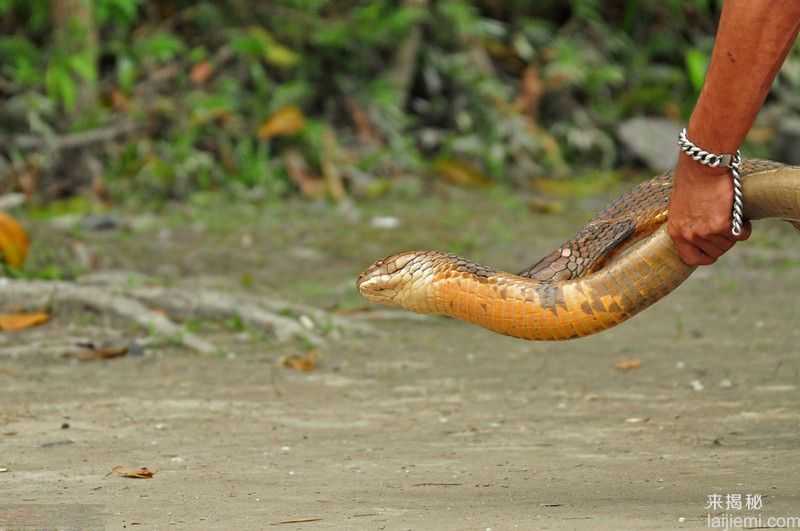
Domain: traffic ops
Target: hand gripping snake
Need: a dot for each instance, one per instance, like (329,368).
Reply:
(617,265)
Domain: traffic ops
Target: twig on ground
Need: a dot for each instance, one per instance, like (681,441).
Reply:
(74,140)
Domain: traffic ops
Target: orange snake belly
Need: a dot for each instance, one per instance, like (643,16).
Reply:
(617,265)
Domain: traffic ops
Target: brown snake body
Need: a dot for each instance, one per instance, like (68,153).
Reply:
(617,265)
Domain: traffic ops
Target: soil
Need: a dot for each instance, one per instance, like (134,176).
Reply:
(421,424)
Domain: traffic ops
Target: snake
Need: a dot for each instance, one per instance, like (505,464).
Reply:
(620,263)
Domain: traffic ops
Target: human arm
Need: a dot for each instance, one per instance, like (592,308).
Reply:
(753,39)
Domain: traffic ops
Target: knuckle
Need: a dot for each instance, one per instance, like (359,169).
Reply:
(690,235)
(721,226)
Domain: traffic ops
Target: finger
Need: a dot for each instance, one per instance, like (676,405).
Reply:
(747,230)
(709,248)
(722,242)
(693,256)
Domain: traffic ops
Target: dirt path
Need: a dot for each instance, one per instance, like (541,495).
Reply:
(422,425)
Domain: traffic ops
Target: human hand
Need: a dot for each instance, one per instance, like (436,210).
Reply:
(699,219)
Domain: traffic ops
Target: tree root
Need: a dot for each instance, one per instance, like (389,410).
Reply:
(285,320)
(36,292)
(214,304)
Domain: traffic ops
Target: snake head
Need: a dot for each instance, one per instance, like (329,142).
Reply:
(389,281)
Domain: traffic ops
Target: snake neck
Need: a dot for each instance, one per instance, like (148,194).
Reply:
(554,310)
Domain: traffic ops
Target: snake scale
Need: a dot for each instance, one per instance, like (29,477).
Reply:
(618,264)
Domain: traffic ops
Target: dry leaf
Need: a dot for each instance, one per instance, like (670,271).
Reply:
(531,92)
(545,206)
(311,185)
(92,352)
(366,132)
(201,72)
(284,122)
(13,322)
(119,101)
(461,172)
(628,364)
(130,472)
(13,241)
(304,363)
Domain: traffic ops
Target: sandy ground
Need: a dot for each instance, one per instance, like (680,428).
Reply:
(429,425)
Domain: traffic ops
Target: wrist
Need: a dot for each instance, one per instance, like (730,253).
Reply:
(688,167)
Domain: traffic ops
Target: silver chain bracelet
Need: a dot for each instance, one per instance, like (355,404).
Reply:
(732,161)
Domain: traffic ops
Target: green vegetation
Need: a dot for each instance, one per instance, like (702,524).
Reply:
(158,99)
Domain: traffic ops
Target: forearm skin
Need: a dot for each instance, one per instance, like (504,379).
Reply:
(753,39)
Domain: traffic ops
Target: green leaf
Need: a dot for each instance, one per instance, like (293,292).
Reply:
(84,66)
(126,72)
(258,43)
(116,10)
(60,85)
(696,65)
(160,46)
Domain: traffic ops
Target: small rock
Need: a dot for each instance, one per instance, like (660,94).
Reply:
(385,222)
(100,222)
(9,201)
(65,222)
(306,253)
(136,348)
(306,322)
(144,222)
(697,385)
(652,140)
(726,383)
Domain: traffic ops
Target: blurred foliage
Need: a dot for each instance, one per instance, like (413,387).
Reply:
(336,97)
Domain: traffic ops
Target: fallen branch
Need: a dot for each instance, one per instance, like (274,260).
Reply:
(287,317)
(114,292)
(73,140)
(214,304)
(36,292)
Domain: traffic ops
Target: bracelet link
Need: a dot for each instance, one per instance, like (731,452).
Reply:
(727,160)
